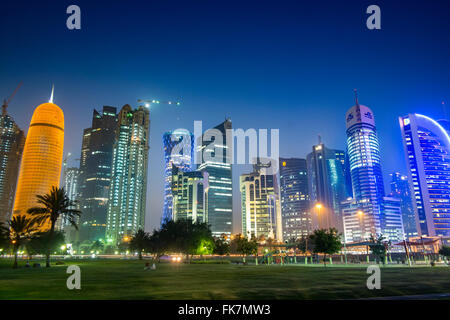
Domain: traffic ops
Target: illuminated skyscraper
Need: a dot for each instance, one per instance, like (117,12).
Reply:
(380,214)
(128,191)
(190,195)
(400,189)
(327,186)
(178,152)
(95,173)
(70,180)
(12,140)
(218,167)
(295,202)
(427,151)
(261,207)
(40,168)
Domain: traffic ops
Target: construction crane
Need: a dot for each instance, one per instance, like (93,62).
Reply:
(7,101)
(148,103)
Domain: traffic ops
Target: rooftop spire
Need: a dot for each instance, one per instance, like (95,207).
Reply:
(356,96)
(51,97)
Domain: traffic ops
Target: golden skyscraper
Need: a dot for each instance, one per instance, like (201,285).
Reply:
(42,157)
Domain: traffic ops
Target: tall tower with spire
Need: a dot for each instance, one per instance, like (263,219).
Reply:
(369,212)
(12,140)
(42,157)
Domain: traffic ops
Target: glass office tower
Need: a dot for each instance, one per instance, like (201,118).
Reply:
(218,167)
(427,150)
(178,152)
(94,176)
(260,201)
(295,202)
(12,141)
(327,186)
(128,191)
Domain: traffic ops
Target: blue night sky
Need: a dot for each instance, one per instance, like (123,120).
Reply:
(266,64)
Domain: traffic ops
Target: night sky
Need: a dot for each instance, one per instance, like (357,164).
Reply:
(266,64)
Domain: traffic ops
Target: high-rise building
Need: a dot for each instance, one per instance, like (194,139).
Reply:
(190,195)
(367,182)
(261,206)
(70,180)
(178,152)
(12,141)
(94,177)
(295,201)
(327,186)
(427,150)
(400,189)
(40,168)
(218,167)
(128,191)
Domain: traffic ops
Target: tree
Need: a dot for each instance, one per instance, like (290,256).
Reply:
(378,247)
(326,241)
(221,247)
(246,247)
(139,242)
(4,237)
(43,242)
(157,245)
(21,229)
(97,246)
(54,205)
(445,251)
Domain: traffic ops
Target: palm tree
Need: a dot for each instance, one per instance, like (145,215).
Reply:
(139,242)
(21,228)
(55,204)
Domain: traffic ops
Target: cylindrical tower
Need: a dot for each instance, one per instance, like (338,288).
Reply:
(42,157)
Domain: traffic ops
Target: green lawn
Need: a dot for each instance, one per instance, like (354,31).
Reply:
(126,279)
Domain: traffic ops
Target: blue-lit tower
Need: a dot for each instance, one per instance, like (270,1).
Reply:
(178,151)
(427,150)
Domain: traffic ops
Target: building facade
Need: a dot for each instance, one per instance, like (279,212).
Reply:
(40,169)
(190,195)
(368,200)
(218,166)
(427,150)
(12,140)
(295,202)
(95,173)
(261,205)
(178,152)
(327,187)
(128,191)
(400,189)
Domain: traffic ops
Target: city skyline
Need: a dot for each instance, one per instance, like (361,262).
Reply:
(281,98)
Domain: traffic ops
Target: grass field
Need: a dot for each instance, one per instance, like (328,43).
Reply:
(126,279)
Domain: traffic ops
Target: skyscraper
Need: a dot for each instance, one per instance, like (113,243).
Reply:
(295,202)
(369,204)
(190,195)
(95,173)
(427,150)
(400,189)
(178,152)
(128,191)
(261,207)
(327,185)
(12,141)
(70,180)
(218,167)
(40,168)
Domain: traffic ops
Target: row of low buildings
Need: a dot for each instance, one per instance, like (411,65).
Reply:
(343,189)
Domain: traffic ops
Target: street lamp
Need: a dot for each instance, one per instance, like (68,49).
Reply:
(319,206)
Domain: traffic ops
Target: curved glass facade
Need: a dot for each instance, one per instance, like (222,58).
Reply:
(42,157)
(427,150)
(178,150)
